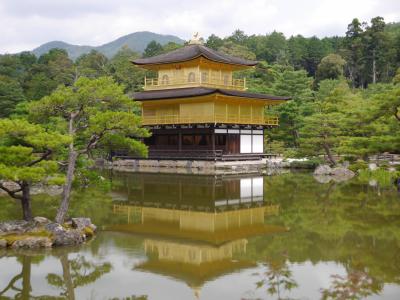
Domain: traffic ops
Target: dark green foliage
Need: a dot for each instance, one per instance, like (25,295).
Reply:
(214,42)
(125,72)
(311,163)
(92,64)
(330,67)
(358,165)
(11,94)
(152,49)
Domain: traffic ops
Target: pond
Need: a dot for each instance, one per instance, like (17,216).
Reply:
(169,236)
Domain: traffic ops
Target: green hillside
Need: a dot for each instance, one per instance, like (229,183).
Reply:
(136,41)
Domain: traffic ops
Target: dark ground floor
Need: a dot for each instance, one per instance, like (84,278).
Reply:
(208,143)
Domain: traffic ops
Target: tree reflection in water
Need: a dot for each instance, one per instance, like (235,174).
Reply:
(276,278)
(25,277)
(357,284)
(75,273)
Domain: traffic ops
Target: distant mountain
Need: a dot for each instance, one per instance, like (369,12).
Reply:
(136,41)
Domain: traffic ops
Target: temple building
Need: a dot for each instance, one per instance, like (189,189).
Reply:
(196,108)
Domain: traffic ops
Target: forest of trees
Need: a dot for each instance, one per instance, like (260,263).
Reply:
(345,89)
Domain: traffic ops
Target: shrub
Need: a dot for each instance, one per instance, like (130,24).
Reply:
(358,165)
(350,158)
(311,163)
(291,153)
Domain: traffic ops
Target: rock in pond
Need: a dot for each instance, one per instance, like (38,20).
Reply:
(81,223)
(42,233)
(323,170)
(33,243)
(41,220)
(18,226)
(342,173)
(63,236)
(325,173)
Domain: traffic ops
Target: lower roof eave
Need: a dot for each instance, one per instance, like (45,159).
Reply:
(202,91)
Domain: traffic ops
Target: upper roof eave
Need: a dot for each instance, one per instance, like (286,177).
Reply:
(191,52)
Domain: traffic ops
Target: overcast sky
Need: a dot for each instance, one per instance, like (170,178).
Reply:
(26,24)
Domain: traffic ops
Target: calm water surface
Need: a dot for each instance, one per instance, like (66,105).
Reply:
(204,237)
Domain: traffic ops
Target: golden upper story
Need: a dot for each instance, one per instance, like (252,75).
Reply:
(195,85)
(199,72)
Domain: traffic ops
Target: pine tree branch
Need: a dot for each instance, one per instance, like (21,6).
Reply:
(12,194)
(44,156)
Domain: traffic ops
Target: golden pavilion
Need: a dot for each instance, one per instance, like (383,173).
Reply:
(196,108)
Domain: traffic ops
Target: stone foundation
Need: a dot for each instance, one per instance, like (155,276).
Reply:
(189,166)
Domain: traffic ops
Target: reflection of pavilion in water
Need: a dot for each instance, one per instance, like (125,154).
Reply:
(200,234)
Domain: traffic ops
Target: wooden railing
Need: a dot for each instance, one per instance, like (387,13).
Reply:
(202,119)
(180,82)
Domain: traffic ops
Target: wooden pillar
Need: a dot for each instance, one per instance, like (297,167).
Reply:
(227,143)
(180,139)
(213,141)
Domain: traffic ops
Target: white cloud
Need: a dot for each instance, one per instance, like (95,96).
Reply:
(25,24)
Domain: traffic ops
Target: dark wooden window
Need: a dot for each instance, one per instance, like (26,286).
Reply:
(173,140)
(162,140)
(220,140)
(187,140)
(202,140)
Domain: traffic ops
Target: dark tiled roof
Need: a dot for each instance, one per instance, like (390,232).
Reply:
(191,52)
(199,91)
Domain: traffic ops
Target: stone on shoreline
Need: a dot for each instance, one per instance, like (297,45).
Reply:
(32,243)
(323,170)
(325,173)
(63,236)
(81,223)
(43,233)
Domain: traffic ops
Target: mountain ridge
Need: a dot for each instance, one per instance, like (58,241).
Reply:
(137,41)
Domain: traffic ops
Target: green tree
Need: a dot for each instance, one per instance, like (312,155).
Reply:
(297,46)
(321,131)
(27,157)
(295,84)
(353,43)
(330,67)
(237,50)
(370,124)
(152,49)
(375,49)
(124,72)
(11,94)
(92,111)
(92,64)
(315,51)
(52,69)
(171,46)
(214,42)
(274,48)
(238,37)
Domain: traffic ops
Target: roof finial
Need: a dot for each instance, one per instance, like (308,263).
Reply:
(196,39)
